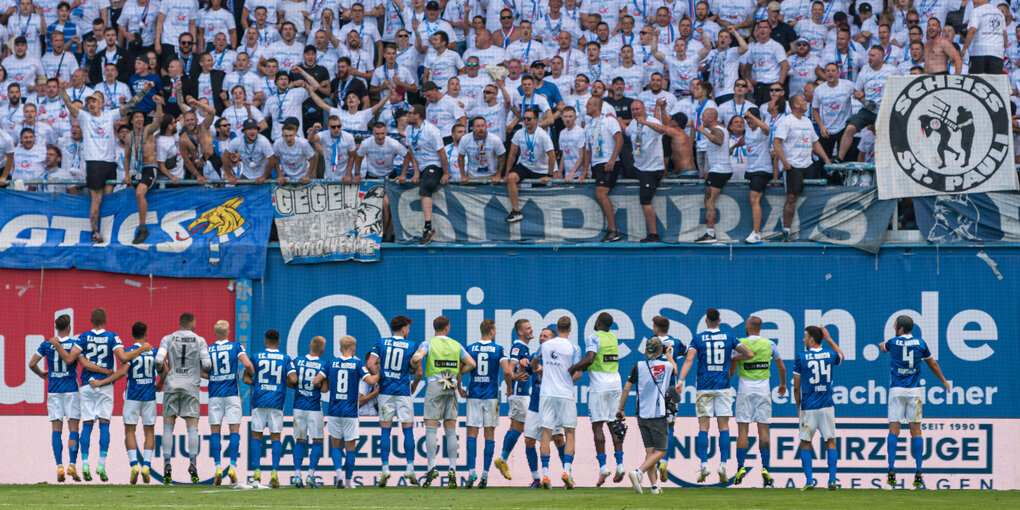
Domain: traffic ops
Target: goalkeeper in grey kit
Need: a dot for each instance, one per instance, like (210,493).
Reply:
(185,355)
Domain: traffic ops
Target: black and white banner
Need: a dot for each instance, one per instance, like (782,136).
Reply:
(944,134)
(329,222)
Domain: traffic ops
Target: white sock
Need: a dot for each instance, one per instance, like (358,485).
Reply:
(193,444)
(297,473)
(386,469)
(168,441)
(133,456)
(451,447)
(535,475)
(147,456)
(786,230)
(430,445)
(710,231)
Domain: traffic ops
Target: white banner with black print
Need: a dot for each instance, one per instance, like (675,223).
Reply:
(328,222)
(944,134)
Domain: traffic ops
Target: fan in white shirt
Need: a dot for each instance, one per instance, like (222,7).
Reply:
(338,145)
(793,141)
(115,93)
(536,160)
(294,156)
(441,63)
(59,63)
(480,154)
(223,57)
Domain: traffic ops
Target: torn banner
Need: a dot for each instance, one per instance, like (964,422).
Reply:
(977,218)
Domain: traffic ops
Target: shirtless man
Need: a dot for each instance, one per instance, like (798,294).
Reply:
(193,134)
(938,51)
(141,158)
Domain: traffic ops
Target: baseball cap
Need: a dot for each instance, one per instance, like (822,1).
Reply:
(429,85)
(142,58)
(291,120)
(865,7)
(432,5)
(538,63)
(653,348)
(98,96)
(250,123)
(803,40)
(773,6)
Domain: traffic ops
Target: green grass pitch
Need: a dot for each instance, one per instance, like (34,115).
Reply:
(184,496)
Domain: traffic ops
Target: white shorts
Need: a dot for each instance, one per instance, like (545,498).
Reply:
(137,408)
(533,427)
(263,417)
(709,403)
(823,420)
(96,403)
(307,424)
(905,405)
(399,407)
(345,429)
(482,412)
(228,408)
(602,405)
(556,412)
(518,407)
(754,408)
(63,405)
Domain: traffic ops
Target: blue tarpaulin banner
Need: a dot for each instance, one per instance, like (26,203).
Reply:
(193,232)
(569,214)
(976,218)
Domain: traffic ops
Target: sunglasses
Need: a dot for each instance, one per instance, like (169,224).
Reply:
(186,43)
(775,90)
(471,64)
(506,17)
(403,35)
(334,126)
(488,92)
(913,21)
(529,119)
(645,32)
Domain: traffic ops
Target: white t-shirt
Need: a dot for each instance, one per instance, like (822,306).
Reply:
(293,159)
(377,160)
(212,22)
(759,151)
(23,71)
(254,156)
(495,117)
(167,149)
(29,164)
(872,82)
(59,66)
(990,24)
(719,155)
(534,150)
(287,55)
(100,136)
(179,13)
(336,153)
(131,18)
(280,106)
(597,381)
(599,139)
(765,60)
(249,80)
(833,104)
(798,136)
(425,143)
(557,355)
(647,146)
(481,157)
(237,115)
(443,66)
(682,71)
(802,70)
(571,141)
(114,96)
(443,114)
(758,386)
(633,78)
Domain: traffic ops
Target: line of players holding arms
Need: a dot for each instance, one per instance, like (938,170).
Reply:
(395,366)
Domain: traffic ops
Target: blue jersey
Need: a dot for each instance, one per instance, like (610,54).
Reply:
(679,349)
(815,369)
(223,374)
(271,370)
(488,373)
(714,351)
(906,354)
(518,351)
(306,396)
(141,377)
(345,375)
(536,387)
(97,347)
(394,365)
(61,377)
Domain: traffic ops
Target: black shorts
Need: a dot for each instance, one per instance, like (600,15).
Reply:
(717,180)
(862,119)
(98,172)
(795,181)
(654,433)
(525,173)
(759,181)
(430,177)
(148,175)
(649,182)
(604,178)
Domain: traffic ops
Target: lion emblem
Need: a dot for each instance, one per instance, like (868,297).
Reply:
(225,220)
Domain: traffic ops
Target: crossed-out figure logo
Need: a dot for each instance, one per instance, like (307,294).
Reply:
(933,132)
(226,220)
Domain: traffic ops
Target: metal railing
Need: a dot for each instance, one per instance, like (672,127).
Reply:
(471,182)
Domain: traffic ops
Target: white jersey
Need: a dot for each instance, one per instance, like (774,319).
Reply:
(336,152)
(425,142)
(647,146)
(443,114)
(765,60)
(186,353)
(481,157)
(571,141)
(169,153)
(377,160)
(833,104)
(798,136)
(651,380)
(599,139)
(254,156)
(534,150)
(990,24)
(719,155)
(556,356)
(100,136)
(872,82)
(293,159)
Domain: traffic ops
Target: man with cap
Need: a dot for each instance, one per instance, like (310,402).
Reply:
(99,151)
(803,66)
(651,377)
(138,80)
(442,111)
(315,75)
(779,31)
(536,162)
(255,151)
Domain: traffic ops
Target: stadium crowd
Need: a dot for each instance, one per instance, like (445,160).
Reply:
(143,90)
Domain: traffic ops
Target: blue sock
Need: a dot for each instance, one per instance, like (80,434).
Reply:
(72,446)
(234,447)
(385,440)
(619,458)
(509,441)
(724,446)
(216,447)
(545,461)
(805,462)
(832,457)
(300,447)
(741,457)
(472,452)
(917,451)
(104,438)
(338,457)
(701,445)
(58,447)
(86,439)
(890,449)
(487,452)
(765,457)
(568,460)
(561,449)
(349,464)
(669,442)
(277,447)
(601,457)
(313,460)
(409,445)
(256,452)
(532,454)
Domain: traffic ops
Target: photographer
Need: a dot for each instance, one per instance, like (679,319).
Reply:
(652,377)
